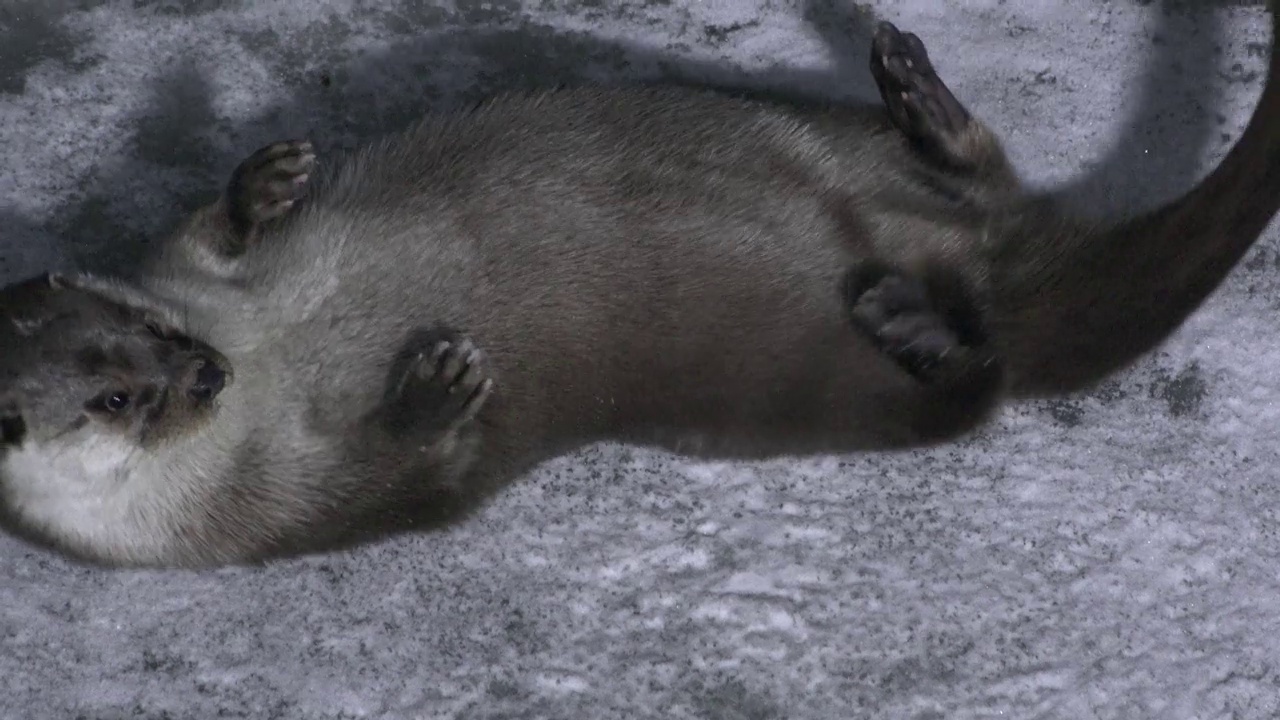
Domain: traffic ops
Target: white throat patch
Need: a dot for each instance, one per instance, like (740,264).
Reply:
(90,490)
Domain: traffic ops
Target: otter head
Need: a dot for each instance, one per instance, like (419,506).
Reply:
(95,380)
(75,357)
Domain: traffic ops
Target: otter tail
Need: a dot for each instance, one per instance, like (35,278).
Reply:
(1073,305)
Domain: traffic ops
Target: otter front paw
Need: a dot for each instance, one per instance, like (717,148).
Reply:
(444,385)
(267,184)
(928,325)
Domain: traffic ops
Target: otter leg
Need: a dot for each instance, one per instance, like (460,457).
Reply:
(928,323)
(263,187)
(440,384)
(928,114)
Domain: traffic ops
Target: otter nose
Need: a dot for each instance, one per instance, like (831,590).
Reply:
(210,379)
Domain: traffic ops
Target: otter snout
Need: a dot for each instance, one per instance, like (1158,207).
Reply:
(208,379)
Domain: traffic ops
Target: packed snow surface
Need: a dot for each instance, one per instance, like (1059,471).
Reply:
(1114,555)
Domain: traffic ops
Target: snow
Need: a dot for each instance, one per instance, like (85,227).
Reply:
(1114,555)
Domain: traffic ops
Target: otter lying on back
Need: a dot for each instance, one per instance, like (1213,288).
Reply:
(669,267)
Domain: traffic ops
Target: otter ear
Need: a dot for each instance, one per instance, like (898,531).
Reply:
(27,305)
(12,426)
(12,429)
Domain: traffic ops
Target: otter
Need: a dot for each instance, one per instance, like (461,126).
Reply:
(334,352)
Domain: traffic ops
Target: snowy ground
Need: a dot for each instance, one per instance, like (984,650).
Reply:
(1111,556)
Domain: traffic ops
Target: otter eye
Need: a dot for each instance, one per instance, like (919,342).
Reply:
(112,402)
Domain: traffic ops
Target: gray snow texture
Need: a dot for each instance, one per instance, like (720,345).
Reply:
(1115,555)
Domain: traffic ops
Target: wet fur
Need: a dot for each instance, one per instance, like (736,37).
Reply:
(658,266)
